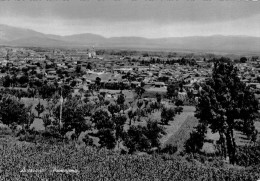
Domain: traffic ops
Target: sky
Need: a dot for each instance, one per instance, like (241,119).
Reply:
(142,18)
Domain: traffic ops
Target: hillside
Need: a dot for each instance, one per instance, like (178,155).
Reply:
(12,36)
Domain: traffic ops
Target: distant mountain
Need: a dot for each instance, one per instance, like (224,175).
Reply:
(84,39)
(9,33)
(12,36)
(37,41)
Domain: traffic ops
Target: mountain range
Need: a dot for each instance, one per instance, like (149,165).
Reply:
(14,36)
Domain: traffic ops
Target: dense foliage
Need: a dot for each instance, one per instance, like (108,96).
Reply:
(12,110)
(223,100)
(90,164)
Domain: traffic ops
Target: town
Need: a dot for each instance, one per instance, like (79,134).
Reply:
(23,68)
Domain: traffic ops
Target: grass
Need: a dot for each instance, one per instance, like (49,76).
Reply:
(183,133)
(175,125)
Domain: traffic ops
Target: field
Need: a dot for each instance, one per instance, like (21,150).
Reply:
(175,126)
(67,162)
(183,133)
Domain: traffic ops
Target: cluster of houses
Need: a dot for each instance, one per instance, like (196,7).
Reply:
(84,66)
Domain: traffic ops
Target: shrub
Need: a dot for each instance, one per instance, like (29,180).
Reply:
(170,149)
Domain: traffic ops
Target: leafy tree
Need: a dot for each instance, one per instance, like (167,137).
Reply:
(158,98)
(196,140)
(139,91)
(12,111)
(72,116)
(7,81)
(223,100)
(87,140)
(46,120)
(167,115)
(136,140)
(101,99)
(131,114)
(73,83)
(97,83)
(47,90)
(105,127)
(113,108)
(243,60)
(107,138)
(89,66)
(119,122)
(154,132)
(178,103)
(66,90)
(39,108)
(121,100)
(172,90)
(170,149)
(78,69)
(24,79)
(143,138)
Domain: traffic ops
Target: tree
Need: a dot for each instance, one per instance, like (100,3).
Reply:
(106,138)
(24,79)
(121,100)
(89,66)
(73,116)
(154,132)
(131,114)
(167,115)
(66,90)
(7,81)
(143,138)
(243,60)
(139,91)
(47,90)
(224,100)
(113,108)
(46,120)
(196,140)
(158,98)
(97,83)
(178,109)
(172,90)
(12,111)
(78,69)
(105,127)
(136,139)
(39,108)
(119,122)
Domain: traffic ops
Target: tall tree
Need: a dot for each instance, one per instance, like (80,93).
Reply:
(39,108)
(105,127)
(224,100)
(172,90)
(121,100)
(119,122)
(73,116)
(139,91)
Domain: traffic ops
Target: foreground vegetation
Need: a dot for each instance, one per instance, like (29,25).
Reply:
(88,163)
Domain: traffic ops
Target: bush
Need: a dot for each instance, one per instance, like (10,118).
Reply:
(248,155)
(170,149)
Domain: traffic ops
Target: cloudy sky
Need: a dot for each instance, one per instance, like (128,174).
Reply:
(146,18)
